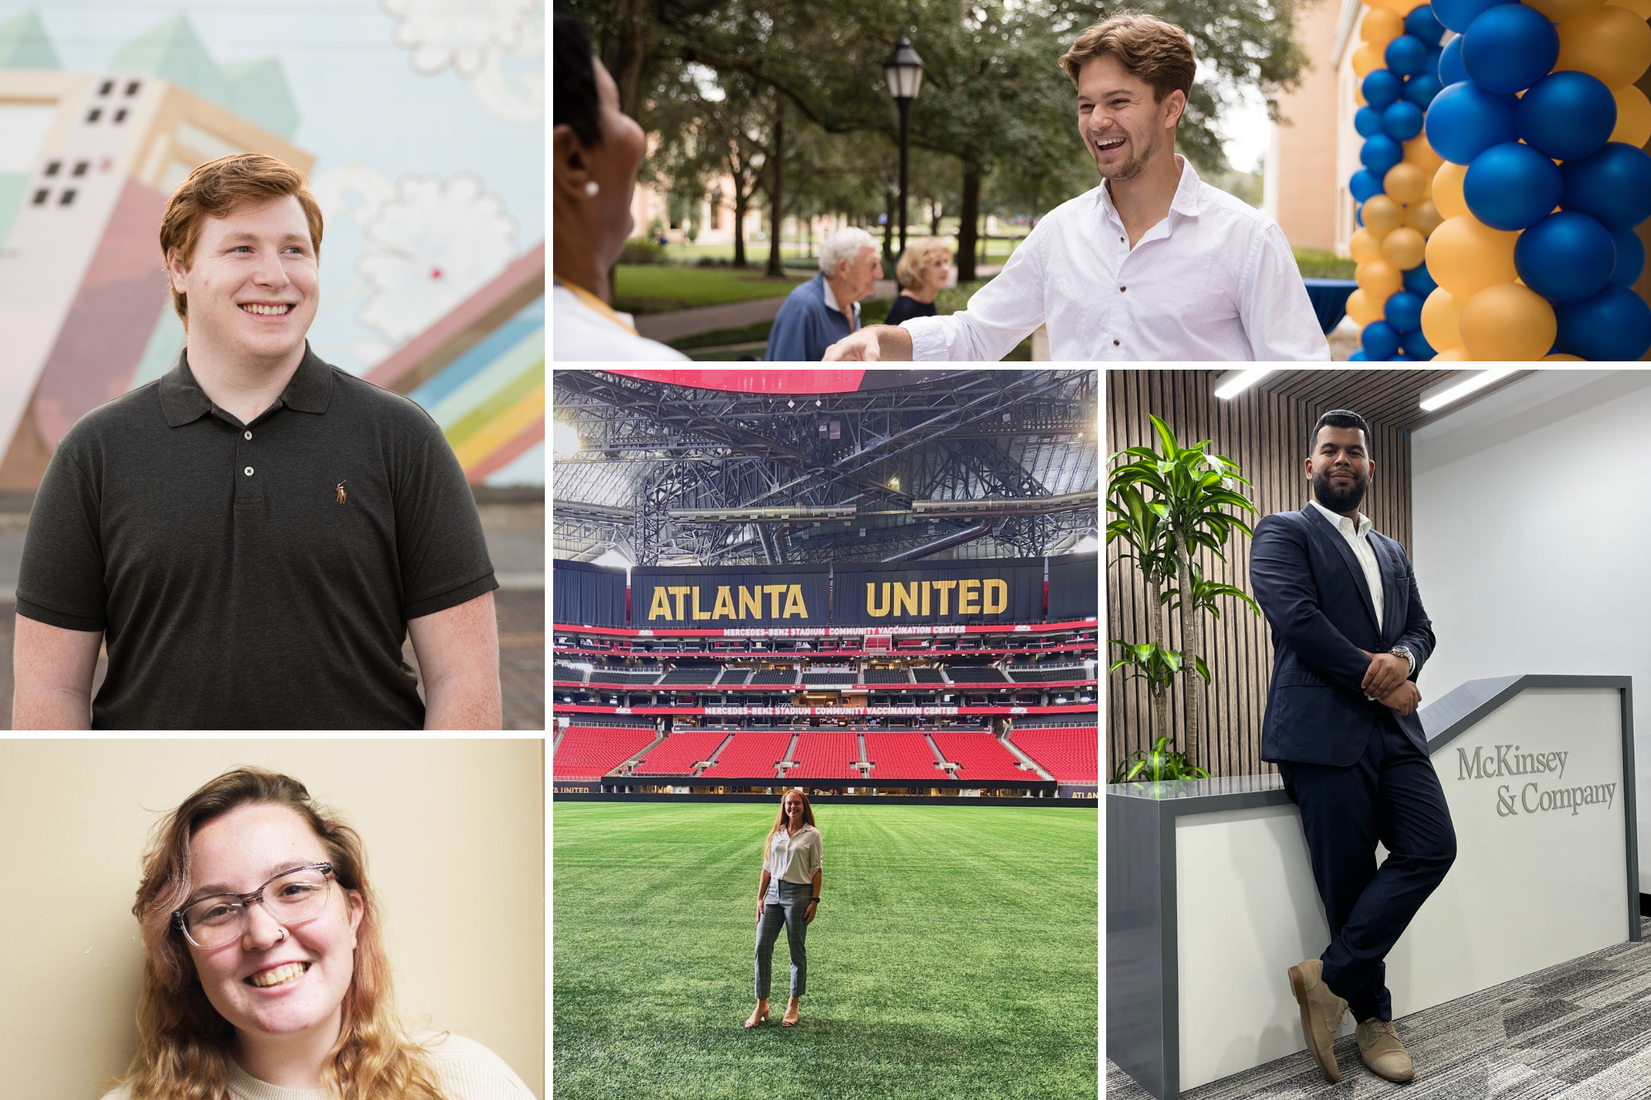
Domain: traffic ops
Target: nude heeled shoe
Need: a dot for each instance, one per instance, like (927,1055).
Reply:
(757,1017)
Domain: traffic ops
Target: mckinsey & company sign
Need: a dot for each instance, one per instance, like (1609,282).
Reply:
(1507,761)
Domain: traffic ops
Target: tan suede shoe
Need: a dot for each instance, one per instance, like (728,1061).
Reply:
(1321,1013)
(1381,1050)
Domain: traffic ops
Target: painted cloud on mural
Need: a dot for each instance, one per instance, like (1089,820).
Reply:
(429,247)
(484,42)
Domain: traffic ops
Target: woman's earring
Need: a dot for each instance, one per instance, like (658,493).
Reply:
(592,189)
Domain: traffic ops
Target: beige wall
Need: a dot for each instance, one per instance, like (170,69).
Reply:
(1306,176)
(74,821)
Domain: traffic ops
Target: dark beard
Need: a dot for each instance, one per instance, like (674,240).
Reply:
(1339,500)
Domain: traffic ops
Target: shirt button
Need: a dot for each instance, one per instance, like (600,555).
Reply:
(1120,291)
(249,468)
(249,435)
(1114,344)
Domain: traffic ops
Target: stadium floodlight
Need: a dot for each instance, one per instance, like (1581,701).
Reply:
(1460,384)
(894,482)
(1235,382)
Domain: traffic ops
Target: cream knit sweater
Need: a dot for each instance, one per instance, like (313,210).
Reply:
(468,1070)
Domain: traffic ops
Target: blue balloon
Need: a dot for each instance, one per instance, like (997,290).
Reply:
(1565,257)
(1630,257)
(1402,121)
(1380,340)
(1465,120)
(1566,115)
(1368,121)
(1403,357)
(1404,311)
(1422,23)
(1612,185)
(1613,325)
(1381,88)
(1418,281)
(1416,344)
(1422,88)
(1459,14)
(1509,48)
(1381,153)
(1450,63)
(1364,185)
(1358,356)
(1406,55)
(1512,186)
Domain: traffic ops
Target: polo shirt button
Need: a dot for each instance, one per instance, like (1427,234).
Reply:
(249,468)
(1114,344)
(249,435)
(1120,291)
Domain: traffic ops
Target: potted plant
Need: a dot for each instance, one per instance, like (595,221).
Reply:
(1191,492)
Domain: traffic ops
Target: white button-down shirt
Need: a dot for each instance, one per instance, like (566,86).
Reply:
(794,858)
(588,328)
(1358,537)
(831,303)
(1215,280)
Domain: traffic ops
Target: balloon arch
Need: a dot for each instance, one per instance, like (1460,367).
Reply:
(1503,180)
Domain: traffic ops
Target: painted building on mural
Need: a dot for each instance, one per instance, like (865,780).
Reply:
(87,161)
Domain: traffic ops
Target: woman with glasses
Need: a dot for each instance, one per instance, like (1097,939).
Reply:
(265,974)
(789,895)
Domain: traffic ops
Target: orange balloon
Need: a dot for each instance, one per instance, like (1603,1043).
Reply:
(1364,246)
(1447,189)
(1381,26)
(1423,217)
(1440,316)
(1417,151)
(1454,355)
(1404,183)
(1465,256)
(1405,7)
(1404,248)
(1364,310)
(1367,58)
(1563,359)
(1379,279)
(1508,322)
(1633,117)
(1382,215)
(1641,8)
(1558,11)
(1611,43)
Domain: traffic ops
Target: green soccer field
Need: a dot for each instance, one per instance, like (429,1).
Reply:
(954,955)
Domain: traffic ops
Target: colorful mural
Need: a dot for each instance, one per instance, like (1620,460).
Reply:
(420,126)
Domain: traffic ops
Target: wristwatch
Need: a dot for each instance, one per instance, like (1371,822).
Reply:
(1410,658)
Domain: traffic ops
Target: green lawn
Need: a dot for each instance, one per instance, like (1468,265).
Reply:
(657,288)
(954,956)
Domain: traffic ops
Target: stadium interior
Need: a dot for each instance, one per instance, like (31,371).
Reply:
(905,561)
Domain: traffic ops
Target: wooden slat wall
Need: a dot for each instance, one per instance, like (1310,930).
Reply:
(1266,434)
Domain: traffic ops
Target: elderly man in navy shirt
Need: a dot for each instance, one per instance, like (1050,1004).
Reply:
(827,308)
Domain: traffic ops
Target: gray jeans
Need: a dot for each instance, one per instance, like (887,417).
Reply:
(787,903)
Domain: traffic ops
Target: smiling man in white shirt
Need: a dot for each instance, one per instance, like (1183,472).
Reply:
(1154,264)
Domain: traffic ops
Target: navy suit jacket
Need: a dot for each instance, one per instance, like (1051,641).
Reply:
(1312,589)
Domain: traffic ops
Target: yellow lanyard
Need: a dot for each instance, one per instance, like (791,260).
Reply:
(602,308)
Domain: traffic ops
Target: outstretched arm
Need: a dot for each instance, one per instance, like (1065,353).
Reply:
(870,345)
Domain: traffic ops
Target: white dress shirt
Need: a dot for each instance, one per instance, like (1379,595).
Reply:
(794,858)
(587,328)
(1358,537)
(1215,280)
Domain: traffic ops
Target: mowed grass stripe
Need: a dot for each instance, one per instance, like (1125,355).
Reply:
(955,955)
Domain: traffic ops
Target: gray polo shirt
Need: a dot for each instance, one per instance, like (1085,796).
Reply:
(234,589)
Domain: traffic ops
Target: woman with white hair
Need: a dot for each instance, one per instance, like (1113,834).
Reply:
(826,308)
(923,272)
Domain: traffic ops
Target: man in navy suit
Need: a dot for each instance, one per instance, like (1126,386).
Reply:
(1349,637)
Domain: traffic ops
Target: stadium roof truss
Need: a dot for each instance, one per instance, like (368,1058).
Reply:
(666,474)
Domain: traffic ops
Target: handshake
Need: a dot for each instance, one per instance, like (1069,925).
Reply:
(1387,681)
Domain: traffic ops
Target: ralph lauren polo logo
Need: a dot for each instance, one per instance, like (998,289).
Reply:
(340,490)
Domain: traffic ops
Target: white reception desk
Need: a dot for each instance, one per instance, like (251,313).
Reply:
(1210,896)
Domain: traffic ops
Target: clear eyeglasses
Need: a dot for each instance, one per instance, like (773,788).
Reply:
(290,897)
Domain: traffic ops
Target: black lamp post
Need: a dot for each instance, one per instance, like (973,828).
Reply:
(904,71)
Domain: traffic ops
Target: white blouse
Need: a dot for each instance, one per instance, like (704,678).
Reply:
(795,858)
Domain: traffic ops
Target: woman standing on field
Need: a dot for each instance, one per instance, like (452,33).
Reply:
(789,893)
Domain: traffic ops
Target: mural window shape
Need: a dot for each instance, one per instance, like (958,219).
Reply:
(40,196)
(132,88)
(120,115)
(96,113)
(108,86)
(80,168)
(52,167)
(68,197)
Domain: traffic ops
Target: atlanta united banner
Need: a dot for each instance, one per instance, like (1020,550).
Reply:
(701,597)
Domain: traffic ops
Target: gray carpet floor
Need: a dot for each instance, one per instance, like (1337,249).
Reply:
(1577,1031)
